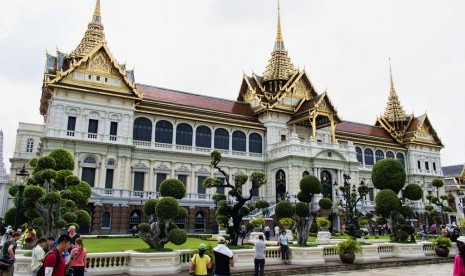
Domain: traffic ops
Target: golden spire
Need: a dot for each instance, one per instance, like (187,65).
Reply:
(394,111)
(93,36)
(279,65)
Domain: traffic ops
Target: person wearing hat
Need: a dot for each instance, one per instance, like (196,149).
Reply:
(459,261)
(200,262)
(223,258)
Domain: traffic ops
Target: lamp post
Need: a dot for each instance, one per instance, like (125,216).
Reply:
(22,177)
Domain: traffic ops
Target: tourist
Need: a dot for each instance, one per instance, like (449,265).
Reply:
(49,245)
(73,235)
(444,231)
(259,260)
(267,230)
(6,236)
(283,242)
(29,233)
(433,229)
(78,258)
(459,261)
(201,262)
(52,267)
(243,233)
(9,250)
(276,231)
(38,255)
(28,244)
(223,258)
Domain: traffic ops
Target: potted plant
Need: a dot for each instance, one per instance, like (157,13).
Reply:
(257,223)
(441,246)
(286,222)
(347,250)
(323,223)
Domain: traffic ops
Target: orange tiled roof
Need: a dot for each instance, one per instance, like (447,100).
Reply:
(363,129)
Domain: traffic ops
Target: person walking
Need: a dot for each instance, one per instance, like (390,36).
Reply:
(283,242)
(9,250)
(459,261)
(276,231)
(267,230)
(52,266)
(38,256)
(223,258)
(73,235)
(259,260)
(201,262)
(78,258)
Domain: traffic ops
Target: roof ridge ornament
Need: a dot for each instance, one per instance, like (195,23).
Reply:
(279,65)
(94,35)
(394,112)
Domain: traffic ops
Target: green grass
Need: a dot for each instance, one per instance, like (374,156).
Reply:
(95,245)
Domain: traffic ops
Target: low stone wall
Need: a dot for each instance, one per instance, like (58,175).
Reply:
(171,263)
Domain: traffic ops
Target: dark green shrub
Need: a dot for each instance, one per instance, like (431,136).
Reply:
(167,208)
(72,180)
(310,185)
(182,214)
(33,162)
(82,217)
(325,203)
(413,192)
(60,183)
(386,201)
(38,222)
(302,197)
(408,229)
(258,179)
(52,198)
(144,227)
(302,209)
(406,211)
(388,174)
(48,174)
(401,221)
(381,221)
(172,187)
(61,223)
(70,217)
(402,235)
(46,162)
(284,209)
(63,158)
(437,182)
(149,206)
(260,204)
(177,236)
(13,189)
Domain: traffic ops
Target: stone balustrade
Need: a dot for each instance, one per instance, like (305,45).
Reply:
(171,263)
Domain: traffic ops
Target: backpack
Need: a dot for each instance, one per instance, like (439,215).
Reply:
(41,271)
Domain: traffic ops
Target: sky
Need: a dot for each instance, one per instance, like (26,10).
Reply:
(205,46)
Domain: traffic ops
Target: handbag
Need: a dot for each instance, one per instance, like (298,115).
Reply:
(192,269)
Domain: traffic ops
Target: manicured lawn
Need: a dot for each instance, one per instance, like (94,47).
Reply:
(94,245)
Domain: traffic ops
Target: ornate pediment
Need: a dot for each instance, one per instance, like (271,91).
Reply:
(162,167)
(99,63)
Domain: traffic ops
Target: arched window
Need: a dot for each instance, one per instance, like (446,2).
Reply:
(401,158)
(200,221)
(203,137)
(280,185)
(135,218)
(368,153)
(142,129)
(184,134)
(379,154)
(255,143)
(106,220)
(305,173)
(221,139)
(164,132)
(389,154)
(238,140)
(30,145)
(359,155)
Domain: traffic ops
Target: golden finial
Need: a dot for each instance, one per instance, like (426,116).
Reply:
(96,16)
(279,44)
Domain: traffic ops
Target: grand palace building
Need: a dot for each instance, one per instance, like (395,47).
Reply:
(128,137)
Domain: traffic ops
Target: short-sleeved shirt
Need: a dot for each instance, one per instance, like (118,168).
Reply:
(200,264)
(259,249)
(50,261)
(79,255)
(7,245)
(38,255)
(283,239)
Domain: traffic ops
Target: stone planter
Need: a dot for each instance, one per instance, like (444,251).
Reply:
(323,237)
(162,263)
(347,258)
(408,250)
(254,235)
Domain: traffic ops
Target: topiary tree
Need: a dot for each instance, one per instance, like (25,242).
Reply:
(352,199)
(162,213)
(233,211)
(303,212)
(439,201)
(388,175)
(53,197)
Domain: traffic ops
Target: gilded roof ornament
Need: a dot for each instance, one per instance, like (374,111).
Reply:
(279,65)
(394,111)
(94,35)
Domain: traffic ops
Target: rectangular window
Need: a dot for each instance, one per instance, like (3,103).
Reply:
(283,137)
(109,179)
(183,178)
(427,166)
(88,175)
(371,194)
(139,181)
(419,164)
(220,190)
(71,123)
(114,128)
(160,178)
(93,126)
(434,166)
(200,188)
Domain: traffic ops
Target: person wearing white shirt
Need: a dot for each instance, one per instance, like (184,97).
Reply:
(38,255)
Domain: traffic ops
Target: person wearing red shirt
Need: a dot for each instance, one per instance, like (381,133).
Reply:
(52,266)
